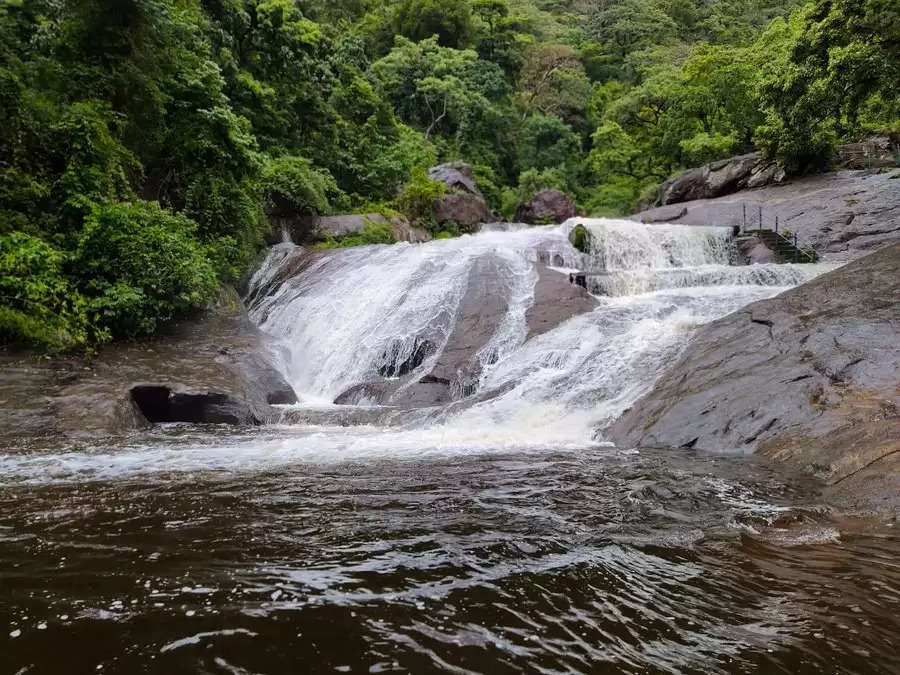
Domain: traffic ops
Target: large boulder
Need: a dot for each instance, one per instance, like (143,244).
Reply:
(463,208)
(720,178)
(547,206)
(809,378)
(464,204)
(873,152)
(215,368)
(842,215)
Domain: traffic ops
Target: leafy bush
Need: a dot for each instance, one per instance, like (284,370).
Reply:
(292,185)
(38,306)
(372,233)
(139,266)
(419,196)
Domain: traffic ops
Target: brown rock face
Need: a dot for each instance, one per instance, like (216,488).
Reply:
(809,378)
(548,206)
(214,369)
(463,208)
(843,215)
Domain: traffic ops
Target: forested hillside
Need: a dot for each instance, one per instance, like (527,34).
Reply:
(143,142)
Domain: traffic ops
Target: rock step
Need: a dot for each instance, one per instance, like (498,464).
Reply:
(786,250)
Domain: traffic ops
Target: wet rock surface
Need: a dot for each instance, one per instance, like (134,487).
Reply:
(547,206)
(212,369)
(808,378)
(843,215)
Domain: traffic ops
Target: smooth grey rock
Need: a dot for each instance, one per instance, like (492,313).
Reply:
(809,378)
(720,178)
(755,252)
(456,176)
(843,215)
(548,205)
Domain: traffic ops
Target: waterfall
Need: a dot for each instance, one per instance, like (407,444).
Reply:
(343,318)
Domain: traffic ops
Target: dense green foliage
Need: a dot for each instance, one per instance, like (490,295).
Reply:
(144,144)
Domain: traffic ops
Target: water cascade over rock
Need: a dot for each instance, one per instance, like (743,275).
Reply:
(483,335)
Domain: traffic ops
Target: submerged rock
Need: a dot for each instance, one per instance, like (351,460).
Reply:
(480,315)
(808,378)
(547,206)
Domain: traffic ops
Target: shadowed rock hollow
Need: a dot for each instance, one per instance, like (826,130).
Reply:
(211,369)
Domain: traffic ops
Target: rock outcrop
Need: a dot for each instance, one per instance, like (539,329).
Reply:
(463,208)
(808,378)
(213,369)
(720,178)
(547,206)
(842,215)
(457,176)
(465,204)
(746,172)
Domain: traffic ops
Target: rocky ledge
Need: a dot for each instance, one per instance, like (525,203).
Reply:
(843,215)
(808,378)
(212,369)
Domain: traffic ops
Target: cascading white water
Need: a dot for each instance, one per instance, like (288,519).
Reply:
(345,314)
(350,312)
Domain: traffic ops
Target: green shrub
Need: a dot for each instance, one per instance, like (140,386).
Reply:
(418,198)
(293,184)
(139,266)
(372,233)
(38,306)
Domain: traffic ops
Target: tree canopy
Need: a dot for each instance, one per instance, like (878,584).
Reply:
(145,144)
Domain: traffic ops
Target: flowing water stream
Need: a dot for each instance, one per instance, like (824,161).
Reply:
(495,533)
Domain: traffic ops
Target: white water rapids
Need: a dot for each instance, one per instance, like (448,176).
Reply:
(336,316)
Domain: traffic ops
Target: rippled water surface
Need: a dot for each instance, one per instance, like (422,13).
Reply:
(527,560)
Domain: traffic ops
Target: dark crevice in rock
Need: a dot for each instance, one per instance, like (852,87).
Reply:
(761,431)
(159,404)
(431,379)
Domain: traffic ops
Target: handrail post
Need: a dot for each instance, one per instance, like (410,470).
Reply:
(744,228)
(760,217)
